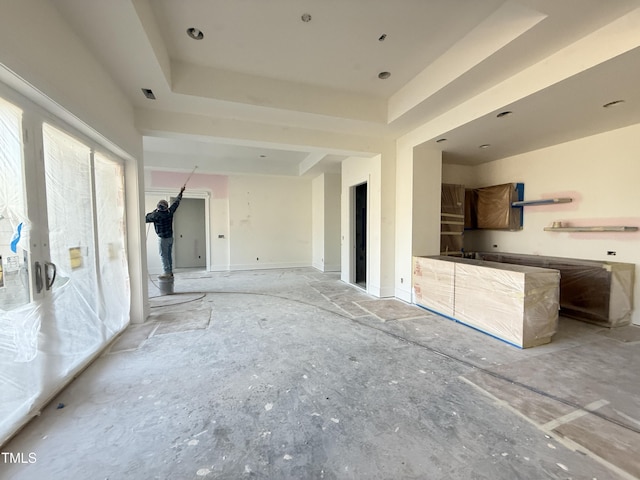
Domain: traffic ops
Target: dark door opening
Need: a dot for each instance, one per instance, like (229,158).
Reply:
(189,247)
(361,234)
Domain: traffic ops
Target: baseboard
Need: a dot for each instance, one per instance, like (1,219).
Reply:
(266,266)
(404,295)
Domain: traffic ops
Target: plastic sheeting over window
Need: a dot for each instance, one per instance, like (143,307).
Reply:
(79,248)
(14,226)
(114,274)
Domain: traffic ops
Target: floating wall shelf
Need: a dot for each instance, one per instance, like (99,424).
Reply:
(544,201)
(591,229)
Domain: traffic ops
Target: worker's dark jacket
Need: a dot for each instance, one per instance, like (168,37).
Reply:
(163,219)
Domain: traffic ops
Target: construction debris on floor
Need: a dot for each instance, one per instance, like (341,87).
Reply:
(293,374)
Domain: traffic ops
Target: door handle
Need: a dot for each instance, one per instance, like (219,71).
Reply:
(38,273)
(48,266)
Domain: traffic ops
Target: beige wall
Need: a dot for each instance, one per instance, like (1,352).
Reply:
(417,231)
(265,221)
(332,244)
(269,222)
(317,221)
(326,222)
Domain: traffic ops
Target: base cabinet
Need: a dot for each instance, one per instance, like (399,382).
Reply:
(515,303)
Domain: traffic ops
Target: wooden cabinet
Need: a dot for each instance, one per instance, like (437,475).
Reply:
(590,290)
(492,207)
(515,303)
(452,219)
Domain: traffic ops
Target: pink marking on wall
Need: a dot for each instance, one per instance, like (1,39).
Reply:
(217,184)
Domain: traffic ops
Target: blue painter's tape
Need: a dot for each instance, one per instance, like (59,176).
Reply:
(470,326)
(16,238)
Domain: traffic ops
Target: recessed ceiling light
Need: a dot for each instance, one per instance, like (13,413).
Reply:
(195,33)
(148,93)
(485,145)
(306,18)
(384,75)
(504,114)
(612,104)
(440,140)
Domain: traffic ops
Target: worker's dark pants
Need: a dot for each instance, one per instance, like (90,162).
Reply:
(166,244)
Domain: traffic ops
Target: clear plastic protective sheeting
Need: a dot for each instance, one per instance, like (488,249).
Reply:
(493,207)
(433,284)
(590,290)
(24,371)
(14,224)
(84,300)
(114,271)
(518,304)
(19,317)
(452,219)
(75,327)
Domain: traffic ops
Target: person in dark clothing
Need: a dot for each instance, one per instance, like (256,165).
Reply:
(162,219)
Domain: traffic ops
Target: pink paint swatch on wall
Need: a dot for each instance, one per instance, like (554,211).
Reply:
(217,184)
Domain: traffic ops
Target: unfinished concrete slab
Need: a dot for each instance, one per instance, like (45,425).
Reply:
(390,309)
(278,387)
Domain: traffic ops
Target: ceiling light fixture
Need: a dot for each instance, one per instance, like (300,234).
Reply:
(384,75)
(485,145)
(195,33)
(504,114)
(613,104)
(306,18)
(148,93)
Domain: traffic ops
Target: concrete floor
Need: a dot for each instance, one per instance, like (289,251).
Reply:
(292,374)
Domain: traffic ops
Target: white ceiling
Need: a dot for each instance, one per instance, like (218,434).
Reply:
(259,64)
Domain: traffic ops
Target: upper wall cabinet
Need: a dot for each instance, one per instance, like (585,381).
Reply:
(492,207)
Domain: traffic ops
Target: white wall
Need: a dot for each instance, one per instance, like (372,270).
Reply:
(332,202)
(600,173)
(317,220)
(269,222)
(41,57)
(326,222)
(418,180)
(265,221)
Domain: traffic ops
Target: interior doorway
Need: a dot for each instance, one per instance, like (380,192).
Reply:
(360,231)
(189,234)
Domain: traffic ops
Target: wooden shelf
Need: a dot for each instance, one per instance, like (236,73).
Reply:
(591,229)
(544,201)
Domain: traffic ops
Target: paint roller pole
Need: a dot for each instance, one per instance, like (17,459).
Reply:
(189,177)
